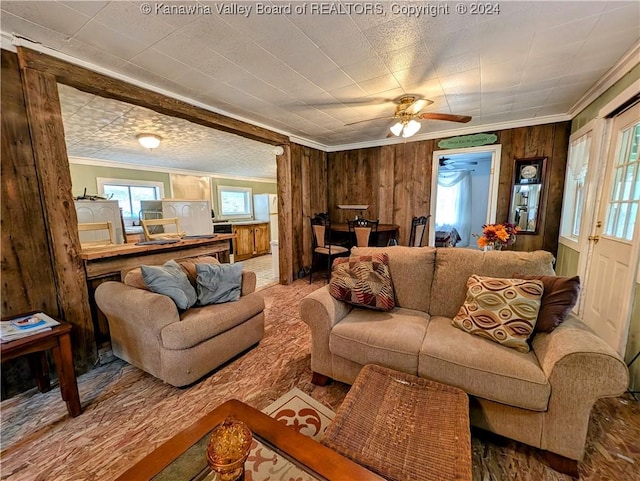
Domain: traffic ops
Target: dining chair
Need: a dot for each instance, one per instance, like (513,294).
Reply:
(361,231)
(418,228)
(106,228)
(320,231)
(157,228)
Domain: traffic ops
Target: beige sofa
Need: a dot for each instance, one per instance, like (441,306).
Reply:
(542,398)
(148,331)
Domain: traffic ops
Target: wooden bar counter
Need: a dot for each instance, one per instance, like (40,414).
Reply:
(120,258)
(111,263)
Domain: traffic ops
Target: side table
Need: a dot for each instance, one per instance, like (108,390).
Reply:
(58,339)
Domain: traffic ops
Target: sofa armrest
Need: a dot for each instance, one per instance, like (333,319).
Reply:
(581,368)
(248,282)
(143,310)
(320,311)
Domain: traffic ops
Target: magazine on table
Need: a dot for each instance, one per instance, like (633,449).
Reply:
(24,326)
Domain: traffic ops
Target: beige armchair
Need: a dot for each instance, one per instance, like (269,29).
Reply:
(148,331)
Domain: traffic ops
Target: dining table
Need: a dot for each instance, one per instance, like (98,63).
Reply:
(380,238)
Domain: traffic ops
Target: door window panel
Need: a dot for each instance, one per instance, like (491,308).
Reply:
(622,211)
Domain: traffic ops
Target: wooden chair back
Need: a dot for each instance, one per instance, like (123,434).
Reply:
(418,229)
(361,230)
(108,237)
(168,228)
(320,227)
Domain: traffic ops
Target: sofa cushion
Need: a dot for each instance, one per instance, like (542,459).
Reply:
(454,266)
(411,270)
(363,281)
(482,368)
(218,283)
(201,323)
(391,339)
(170,280)
(501,310)
(560,295)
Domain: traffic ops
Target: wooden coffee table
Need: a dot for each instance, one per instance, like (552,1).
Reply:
(183,456)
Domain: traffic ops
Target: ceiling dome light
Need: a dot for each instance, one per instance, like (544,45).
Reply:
(149,141)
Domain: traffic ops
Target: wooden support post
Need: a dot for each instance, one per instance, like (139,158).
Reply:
(285,219)
(54,180)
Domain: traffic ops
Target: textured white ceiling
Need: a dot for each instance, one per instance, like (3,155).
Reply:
(310,74)
(106,129)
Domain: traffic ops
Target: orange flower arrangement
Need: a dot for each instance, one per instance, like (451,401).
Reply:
(498,235)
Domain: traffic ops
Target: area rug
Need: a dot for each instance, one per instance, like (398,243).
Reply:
(300,412)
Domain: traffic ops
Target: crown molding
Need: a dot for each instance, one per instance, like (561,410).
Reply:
(627,62)
(6,42)
(440,134)
(161,170)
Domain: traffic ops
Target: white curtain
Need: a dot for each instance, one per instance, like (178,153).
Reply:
(453,204)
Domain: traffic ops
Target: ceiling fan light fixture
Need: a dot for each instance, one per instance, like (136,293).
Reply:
(396,129)
(149,141)
(411,128)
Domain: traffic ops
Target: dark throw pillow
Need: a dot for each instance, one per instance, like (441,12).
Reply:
(170,280)
(218,283)
(560,295)
(363,281)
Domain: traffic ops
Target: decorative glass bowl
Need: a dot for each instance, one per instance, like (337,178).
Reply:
(228,449)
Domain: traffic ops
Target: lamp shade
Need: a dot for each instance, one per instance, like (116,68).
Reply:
(411,128)
(396,128)
(149,141)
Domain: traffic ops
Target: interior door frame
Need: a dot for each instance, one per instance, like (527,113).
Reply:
(607,144)
(494,181)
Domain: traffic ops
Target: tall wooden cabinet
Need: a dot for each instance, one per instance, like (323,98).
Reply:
(251,240)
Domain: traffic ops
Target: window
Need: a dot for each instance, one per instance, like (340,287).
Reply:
(625,194)
(574,187)
(129,193)
(235,202)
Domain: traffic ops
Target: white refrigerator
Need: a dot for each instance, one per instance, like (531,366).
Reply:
(265,208)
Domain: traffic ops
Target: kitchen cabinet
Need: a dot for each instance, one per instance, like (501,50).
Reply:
(251,240)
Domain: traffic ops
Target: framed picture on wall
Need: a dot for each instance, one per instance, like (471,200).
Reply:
(529,171)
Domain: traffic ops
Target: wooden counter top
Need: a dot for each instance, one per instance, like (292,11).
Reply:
(94,253)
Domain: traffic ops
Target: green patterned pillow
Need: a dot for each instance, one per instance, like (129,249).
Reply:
(502,310)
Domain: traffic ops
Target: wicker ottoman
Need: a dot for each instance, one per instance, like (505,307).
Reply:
(403,427)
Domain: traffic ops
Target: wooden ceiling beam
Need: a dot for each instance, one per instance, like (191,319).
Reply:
(109,87)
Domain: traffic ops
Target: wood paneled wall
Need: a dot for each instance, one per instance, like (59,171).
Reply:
(309,196)
(395,181)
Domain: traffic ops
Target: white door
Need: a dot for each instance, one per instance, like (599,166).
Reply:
(613,262)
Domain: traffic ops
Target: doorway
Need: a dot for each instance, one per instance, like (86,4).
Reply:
(464,194)
(613,263)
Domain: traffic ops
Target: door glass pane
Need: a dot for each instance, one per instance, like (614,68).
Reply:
(625,193)
(633,216)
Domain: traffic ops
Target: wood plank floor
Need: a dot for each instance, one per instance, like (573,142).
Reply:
(127,413)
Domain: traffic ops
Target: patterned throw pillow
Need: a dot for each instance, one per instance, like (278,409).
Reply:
(363,281)
(502,310)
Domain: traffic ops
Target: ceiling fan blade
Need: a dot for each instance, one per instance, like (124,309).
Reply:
(417,106)
(369,120)
(450,117)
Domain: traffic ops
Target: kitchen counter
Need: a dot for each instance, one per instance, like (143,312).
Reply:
(242,222)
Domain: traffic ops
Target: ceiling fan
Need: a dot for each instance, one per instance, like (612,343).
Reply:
(452,165)
(407,114)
